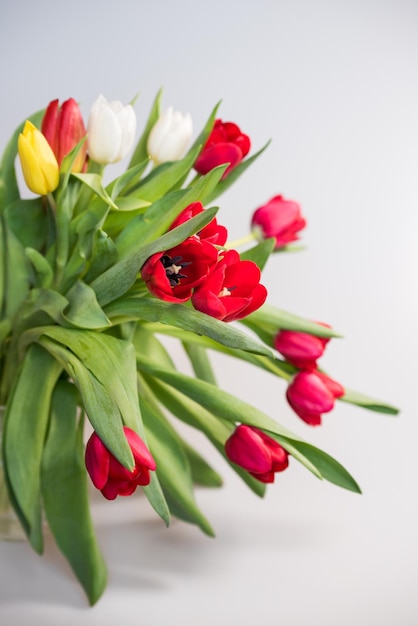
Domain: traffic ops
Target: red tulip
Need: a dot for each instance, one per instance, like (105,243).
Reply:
(63,128)
(312,393)
(300,349)
(278,218)
(256,452)
(172,275)
(225,144)
(108,475)
(232,290)
(212,232)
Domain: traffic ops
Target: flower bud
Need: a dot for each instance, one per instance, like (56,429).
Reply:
(279,218)
(312,393)
(110,476)
(63,127)
(256,452)
(111,130)
(170,136)
(300,349)
(225,144)
(39,165)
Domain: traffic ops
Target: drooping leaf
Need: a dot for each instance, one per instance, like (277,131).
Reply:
(217,430)
(65,493)
(228,407)
(173,469)
(353,397)
(26,422)
(184,317)
(84,310)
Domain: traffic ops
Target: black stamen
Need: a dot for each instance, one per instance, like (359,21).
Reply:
(172,266)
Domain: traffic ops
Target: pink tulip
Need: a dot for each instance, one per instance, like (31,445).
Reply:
(256,452)
(279,218)
(312,393)
(110,476)
(300,349)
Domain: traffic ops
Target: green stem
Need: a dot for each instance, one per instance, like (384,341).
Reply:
(241,242)
(62,224)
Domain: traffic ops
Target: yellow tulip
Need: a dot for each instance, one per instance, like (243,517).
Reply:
(39,165)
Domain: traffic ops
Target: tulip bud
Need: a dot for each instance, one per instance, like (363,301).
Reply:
(39,165)
(225,144)
(312,393)
(300,349)
(279,218)
(170,136)
(63,127)
(111,130)
(256,452)
(110,476)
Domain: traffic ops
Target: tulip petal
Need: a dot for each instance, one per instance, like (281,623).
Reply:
(97,461)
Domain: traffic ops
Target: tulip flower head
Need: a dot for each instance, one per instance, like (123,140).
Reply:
(63,127)
(225,144)
(111,130)
(112,478)
(39,165)
(173,274)
(170,136)
(232,290)
(312,393)
(212,232)
(300,349)
(279,218)
(256,452)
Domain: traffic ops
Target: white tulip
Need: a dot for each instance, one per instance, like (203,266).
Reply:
(170,136)
(111,130)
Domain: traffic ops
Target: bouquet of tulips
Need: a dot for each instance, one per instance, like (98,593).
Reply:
(92,278)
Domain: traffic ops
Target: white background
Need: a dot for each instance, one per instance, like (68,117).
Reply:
(335,85)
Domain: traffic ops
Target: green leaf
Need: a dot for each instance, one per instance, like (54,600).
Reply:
(182,316)
(120,185)
(164,177)
(204,135)
(65,493)
(94,182)
(141,152)
(173,470)
(260,253)
(328,467)
(17,273)
(200,362)
(270,364)
(234,174)
(353,397)
(84,311)
(28,221)
(26,423)
(158,218)
(120,277)
(274,319)
(202,473)
(103,368)
(228,407)
(42,269)
(217,430)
